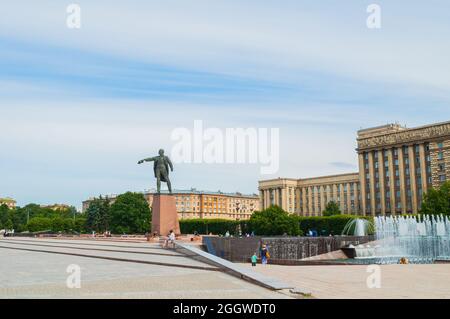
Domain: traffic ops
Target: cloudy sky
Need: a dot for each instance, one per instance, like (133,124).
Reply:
(79,107)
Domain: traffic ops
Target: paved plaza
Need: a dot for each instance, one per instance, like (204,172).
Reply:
(36,268)
(397,281)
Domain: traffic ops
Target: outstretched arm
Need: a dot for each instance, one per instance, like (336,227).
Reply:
(147,160)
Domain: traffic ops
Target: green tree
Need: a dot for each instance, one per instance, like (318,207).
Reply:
(274,221)
(40,224)
(331,209)
(437,201)
(130,213)
(98,215)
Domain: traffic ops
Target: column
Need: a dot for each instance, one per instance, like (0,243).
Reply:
(381,179)
(322,198)
(412,177)
(297,200)
(316,201)
(261,199)
(392,180)
(284,202)
(349,199)
(342,199)
(372,184)
(310,201)
(362,182)
(401,167)
(356,196)
(423,167)
(304,207)
(329,193)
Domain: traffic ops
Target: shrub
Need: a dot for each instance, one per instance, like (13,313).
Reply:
(273,221)
(206,226)
(326,225)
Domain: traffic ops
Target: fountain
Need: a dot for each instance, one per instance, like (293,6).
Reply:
(421,239)
(358,227)
(418,239)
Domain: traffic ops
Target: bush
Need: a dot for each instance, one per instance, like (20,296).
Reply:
(206,226)
(326,225)
(273,221)
(39,224)
(57,224)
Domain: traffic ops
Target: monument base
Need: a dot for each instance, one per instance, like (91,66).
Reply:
(164,215)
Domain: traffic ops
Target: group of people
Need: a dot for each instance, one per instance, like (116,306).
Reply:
(264,253)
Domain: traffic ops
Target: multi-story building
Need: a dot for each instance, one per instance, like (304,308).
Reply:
(203,204)
(397,165)
(309,196)
(11,203)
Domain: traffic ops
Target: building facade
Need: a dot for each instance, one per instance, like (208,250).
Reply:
(11,203)
(204,204)
(309,196)
(397,165)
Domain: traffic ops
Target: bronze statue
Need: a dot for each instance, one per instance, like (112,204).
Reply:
(161,169)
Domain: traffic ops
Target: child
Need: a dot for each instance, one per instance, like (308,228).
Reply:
(254,259)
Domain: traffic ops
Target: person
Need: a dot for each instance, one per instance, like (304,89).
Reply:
(264,254)
(171,239)
(254,260)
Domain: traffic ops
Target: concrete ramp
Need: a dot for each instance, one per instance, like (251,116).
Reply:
(231,268)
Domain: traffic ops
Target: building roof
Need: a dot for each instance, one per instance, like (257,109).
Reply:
(191,191)
(7,200)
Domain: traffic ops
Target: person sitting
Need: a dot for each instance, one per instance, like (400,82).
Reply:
(170,239)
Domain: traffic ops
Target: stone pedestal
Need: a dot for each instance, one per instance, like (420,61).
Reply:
(164,215)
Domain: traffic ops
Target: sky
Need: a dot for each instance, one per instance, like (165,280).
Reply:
(80,107)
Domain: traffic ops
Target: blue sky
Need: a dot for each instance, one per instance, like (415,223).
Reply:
(80,107)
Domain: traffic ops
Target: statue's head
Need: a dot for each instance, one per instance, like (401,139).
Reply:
(161,152)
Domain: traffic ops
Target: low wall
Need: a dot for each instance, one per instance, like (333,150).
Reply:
(281,249)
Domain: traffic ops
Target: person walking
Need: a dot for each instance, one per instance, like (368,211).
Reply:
(264,254)
(254,260)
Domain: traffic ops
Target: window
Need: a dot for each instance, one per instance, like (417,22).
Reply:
(442,178)
(440,155)
(441,167)
(440,145)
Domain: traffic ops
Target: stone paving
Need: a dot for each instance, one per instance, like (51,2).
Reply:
(397,281)
(31,274)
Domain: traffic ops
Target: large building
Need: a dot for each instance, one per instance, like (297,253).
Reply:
(397,165)
(11,203)
(203,204)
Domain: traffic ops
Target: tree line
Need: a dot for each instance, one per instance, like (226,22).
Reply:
(130,214)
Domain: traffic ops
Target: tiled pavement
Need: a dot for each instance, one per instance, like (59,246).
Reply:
(32,274)
(397,281)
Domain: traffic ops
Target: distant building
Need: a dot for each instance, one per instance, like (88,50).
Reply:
(11,203)
(204,204)
(397,165)
(56,206)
